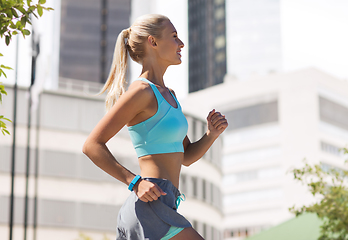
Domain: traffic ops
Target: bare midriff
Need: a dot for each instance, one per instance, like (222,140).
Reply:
(165,166)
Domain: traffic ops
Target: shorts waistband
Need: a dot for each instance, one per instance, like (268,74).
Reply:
(164,184)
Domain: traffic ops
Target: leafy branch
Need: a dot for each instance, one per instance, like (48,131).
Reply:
(330,186)
(14,17)
(15,14)
(3,127)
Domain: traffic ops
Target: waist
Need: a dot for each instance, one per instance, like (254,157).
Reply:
(158,148)
(163,166)
(164,184)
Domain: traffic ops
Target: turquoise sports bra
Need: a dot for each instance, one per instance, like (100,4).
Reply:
(164,132)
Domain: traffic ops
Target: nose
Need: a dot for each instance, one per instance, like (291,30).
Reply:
(181,44)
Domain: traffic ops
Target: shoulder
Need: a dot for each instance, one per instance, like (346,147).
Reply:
(172,91)
(139,86)
(140,89)
(138,95)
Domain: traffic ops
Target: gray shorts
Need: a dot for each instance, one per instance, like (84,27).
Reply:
(138,220)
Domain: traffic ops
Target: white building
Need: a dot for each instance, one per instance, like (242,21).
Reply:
(74,196)
(275,122)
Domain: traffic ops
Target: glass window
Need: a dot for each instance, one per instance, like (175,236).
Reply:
(252,115)
(220,42)
(326,147)
(333,113)
(219,13)
(258,174)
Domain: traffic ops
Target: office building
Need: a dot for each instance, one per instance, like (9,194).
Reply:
(275,122)
(207,43)
(88,33)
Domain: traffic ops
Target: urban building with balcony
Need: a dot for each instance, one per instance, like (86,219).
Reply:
(275,122)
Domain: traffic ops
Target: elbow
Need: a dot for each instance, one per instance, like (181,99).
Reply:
(186,162)
(86,148)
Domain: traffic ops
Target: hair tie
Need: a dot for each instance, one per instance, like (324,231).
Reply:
(127,32)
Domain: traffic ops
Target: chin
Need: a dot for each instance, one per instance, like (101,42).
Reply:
(178,62)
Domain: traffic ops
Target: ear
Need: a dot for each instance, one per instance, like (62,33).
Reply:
(152,41)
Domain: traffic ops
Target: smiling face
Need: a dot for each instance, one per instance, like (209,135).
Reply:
(168,47)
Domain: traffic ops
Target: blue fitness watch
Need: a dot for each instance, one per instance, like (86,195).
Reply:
(133,182)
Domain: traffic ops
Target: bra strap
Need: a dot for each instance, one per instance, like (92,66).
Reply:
(154,89)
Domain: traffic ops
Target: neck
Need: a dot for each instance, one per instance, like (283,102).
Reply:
(154,72)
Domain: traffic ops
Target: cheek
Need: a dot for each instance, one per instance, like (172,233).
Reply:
(168,50)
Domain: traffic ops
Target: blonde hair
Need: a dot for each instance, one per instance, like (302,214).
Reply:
(130,41)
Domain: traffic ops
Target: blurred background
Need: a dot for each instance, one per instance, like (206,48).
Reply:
(278,70)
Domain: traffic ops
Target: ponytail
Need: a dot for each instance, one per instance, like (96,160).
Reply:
(116,83)
(136,35)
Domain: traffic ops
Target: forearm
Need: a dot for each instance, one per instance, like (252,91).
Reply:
(102,157)
(194,151)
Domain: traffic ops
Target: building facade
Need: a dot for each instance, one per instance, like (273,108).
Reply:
(88,33)
(275,122)
(73,195)
(207,43)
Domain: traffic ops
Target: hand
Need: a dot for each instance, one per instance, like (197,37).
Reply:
(217,123)
(147,191)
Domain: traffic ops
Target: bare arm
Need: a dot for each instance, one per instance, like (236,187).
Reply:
(126,108)
(217,123)
(135,101)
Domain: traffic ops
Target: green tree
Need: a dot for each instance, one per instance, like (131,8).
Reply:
(330,187)
(14,17)
(2,124)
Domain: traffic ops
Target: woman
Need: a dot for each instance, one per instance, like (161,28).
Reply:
(158,131)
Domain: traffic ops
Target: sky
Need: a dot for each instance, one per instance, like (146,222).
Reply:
(315,33)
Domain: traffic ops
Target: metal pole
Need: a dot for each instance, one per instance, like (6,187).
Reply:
(35,53)
(13,144)
(103,42)
(36,169)
(27,169)
(33,68)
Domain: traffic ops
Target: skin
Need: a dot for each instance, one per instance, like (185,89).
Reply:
(139,103)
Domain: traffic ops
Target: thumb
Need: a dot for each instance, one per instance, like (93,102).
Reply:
(162,192)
